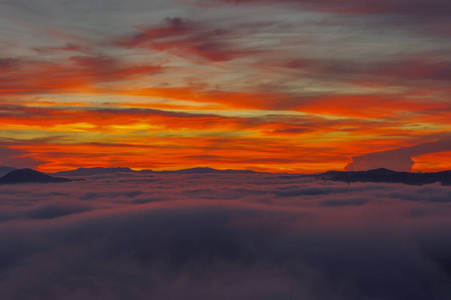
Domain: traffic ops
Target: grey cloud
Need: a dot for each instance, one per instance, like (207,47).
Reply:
(419,8)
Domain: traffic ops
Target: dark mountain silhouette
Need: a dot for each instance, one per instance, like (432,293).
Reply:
(375,175)
(94,171)
(29,176)
(103,171)
(5,170)
(389,176)
(197,170)
(204,170)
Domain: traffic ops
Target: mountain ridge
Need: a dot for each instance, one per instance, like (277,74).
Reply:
(387,176)
(103,171)
(374,175)
(93,171)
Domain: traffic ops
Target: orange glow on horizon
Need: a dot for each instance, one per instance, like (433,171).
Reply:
(433,162)
(179,93)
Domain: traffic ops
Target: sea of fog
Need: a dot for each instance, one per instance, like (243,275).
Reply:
(224,236)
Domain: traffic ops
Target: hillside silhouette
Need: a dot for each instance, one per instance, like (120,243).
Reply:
(29,176)
(375,175)
(5,170)
(94,171)
(387,176)
(104,171)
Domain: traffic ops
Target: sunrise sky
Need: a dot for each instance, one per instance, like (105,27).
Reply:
(279,86)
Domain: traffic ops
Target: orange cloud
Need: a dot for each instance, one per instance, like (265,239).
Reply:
(150,138)
(432,162)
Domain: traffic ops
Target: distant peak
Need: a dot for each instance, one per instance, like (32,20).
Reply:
(380,171)
(25,171)
(201,169)
(28,175)
(104,168)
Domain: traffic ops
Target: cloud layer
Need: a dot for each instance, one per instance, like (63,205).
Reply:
(222,236)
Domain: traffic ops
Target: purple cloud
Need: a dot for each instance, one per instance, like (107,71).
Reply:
(222,236)
(187,38)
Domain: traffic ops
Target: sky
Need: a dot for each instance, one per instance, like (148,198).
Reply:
(224,236)
(265,85)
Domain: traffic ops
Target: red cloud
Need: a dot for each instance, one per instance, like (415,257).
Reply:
(70,47)
(76,73)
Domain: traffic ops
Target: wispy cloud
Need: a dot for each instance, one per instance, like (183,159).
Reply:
(188,39)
